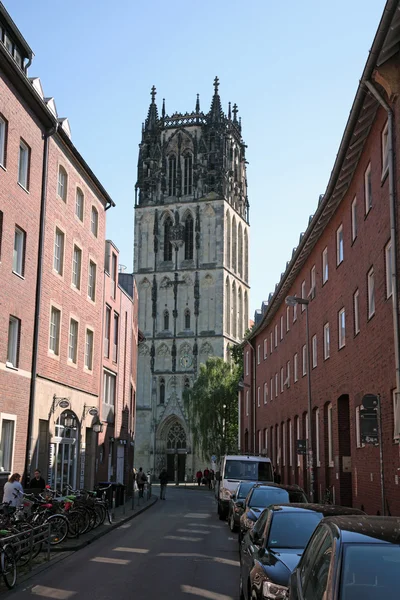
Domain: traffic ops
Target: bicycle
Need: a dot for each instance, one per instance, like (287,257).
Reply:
(8,566)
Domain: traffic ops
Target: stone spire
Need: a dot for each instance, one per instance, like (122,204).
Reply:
(198,104)
(216,113)
(152,115)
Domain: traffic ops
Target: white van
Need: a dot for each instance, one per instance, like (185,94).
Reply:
(233,470)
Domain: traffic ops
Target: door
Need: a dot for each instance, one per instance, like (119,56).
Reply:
(181,467)
(120,463)
(170,467)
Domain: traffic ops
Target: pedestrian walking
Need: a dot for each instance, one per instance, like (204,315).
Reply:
(13,491)
(141,479)
(199,476)
(37,484)
(163,483)
(207,476)
(211,480)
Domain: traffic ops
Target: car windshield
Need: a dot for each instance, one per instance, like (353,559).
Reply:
(370,571)
(244,489)
(248,470)
(263,497)
(292,530)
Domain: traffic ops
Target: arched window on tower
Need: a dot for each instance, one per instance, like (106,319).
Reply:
(166,320)
(189,237)
(188,175)
(172,176)
(167,239)
(162,391)
(186,383)
(187,318)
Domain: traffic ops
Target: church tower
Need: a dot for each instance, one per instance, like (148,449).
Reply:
(191,262)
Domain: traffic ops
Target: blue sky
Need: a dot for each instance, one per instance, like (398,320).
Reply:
(292,67)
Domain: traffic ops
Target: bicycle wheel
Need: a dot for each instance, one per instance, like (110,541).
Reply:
(101,513)
(8,566)
(58,529)
(76,522)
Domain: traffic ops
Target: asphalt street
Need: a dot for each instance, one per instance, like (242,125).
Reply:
(178,549)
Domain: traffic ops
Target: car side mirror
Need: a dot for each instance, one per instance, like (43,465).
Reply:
(240,504)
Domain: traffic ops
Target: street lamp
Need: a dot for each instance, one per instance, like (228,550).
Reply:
(292,301)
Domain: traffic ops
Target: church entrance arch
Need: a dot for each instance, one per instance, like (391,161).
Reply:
(176,452)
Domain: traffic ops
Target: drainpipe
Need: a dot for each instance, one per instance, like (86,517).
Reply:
(253,385)
(39,275)
(393,241)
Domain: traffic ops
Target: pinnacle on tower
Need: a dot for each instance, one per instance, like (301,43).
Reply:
(198,104)
(152,115)
(229,111)
(163,108)
(216,113)
(235,112)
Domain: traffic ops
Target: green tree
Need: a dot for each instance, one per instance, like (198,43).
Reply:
(212,408)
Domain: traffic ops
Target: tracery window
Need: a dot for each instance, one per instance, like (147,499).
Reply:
(172,176)
(162,391)
(167,239)
(176,439)
(189,237)
(188,175)
(166,320)
(187,319)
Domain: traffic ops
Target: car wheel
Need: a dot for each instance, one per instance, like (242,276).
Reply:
(232,525)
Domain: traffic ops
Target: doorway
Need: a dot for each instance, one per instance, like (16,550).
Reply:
(66,451)
(171,467)
(344,435)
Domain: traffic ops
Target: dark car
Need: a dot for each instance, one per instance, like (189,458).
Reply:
(273,548)
(261,496)
(350,558)
(236,503)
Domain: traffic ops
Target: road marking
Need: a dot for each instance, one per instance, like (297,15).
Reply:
(136,550)
(183,554)
(182,538)
(227,561)
(49,592)
(217,559)
(189,589)
(193,531)
(197,516)
(233,539)
(126,526)
(111,561)
(203,525)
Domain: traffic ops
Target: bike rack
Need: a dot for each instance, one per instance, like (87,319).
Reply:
(37,535)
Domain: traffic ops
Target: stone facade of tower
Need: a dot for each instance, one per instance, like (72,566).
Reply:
(191,267)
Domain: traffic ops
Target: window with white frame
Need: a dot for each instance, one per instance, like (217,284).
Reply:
(290,444)
(92,280)
(358,429)
(304,356)
(7,441)
(282,379)
(258,396)
(270,345)
(107,332)
(79,204)
(294,313)
(76,267)
(260,436)
(295,368)
(368,189)
(19,251)
(89,350)
(276,336)
(109,388)
(325,267)
(327,341)
(265,348)
(283,444)
(342,328)
(395,404)
(94,221)
(339,245)
(55,323)
(258,354)
(73,341)
(287,381)
(276,385)
(265,393)
(312,282)
(385,149)
(371,292)
(306,423)
(14,333)
(303,295)
(287,318)
(298,437)
(266,439)
(356,311)
(271,388)
(314,351)
(330,436)
(58,259)
(278,445)
(317,453)
(388,269)
(354,219)
(247,362)
(8,43)
(23,164)
(281,327)
(247,403)
(62,183)
(3,141)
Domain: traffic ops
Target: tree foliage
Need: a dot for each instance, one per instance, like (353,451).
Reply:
(212,408)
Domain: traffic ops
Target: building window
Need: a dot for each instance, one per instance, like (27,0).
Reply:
(358,429)
(266,440)
(388,269)
(265,348)
(62,183)
(76,267)
(312,282)
(385,149)
(317,453)
(114,274)
(265,393)
(287,381)
(327,341)
(187,318)
(18,58)
(339,245)
(107,332)
(282,379)
(8,43)
(172,176)
(276,385)
(166,320)
(281,328)
(162,391)
(287,318)
(14,334)
(258,396)
(79,204)
(371,293)
(368,189)
(19,251)
(73,341)
(89,350)
(7,443)
(294,313)
(276,335)
(303,295)
(188,175)
(167,239)
(298,437)
(295,368)
(189,237)
(23,165)
(325,268)
(258,354)
(3,141)
(395,401)
(270,345)
(290,444)
(314,351)
(330,436)
(247,403)
(94,222)
(354,219)
(55,322)
(58,261)
(116,334)
(271,388)
(92,280)
(109,388)
(304,356)
(247,362)
(342,328)
(356,312)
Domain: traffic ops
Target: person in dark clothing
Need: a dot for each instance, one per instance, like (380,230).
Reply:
(163,483)
(37,484)
(141,479)
(199,476)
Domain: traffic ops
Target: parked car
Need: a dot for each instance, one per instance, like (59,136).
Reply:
(350,558)
(273,548)
(261,496)
(235,510)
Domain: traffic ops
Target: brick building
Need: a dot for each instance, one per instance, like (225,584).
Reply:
(346,268)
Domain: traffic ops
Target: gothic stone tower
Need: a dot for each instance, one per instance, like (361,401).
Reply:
(191,267)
